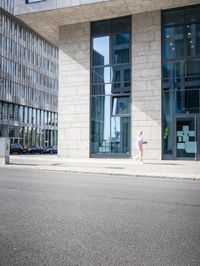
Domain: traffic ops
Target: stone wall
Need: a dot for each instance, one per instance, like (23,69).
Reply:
(146,81)
(74,90)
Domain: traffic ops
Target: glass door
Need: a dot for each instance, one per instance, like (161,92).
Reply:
(186,137)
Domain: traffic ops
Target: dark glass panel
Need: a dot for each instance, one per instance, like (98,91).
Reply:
(100,28)
(173,17)
(193,69)
(187,101)
(167,123)
(101,51)
(121,25)
(120,135)
(193,39)
(121,105)
(173,41)
(193,15)
(120,49)
(166,70)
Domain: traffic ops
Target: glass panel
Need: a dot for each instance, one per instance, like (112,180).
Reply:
(101,75)
(11,132)
(186,145)
(100,136)
(173,42)
(193,39)
(121,76)
(187,101)
(173,17)
(121,105)
(121,25)
(121,48)
(101,51)
(167,123)
(193,69)
(101,28)
(120,135)
(193,15)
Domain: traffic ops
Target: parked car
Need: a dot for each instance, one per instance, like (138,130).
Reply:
(17,148)
(35,149)
(51,149)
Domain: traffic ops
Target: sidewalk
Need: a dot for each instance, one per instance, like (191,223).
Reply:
(184,170)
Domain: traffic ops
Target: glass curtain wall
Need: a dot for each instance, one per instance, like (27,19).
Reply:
(180,81)
(28,83)
(111,87)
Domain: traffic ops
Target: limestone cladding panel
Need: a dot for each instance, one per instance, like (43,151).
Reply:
(146,81)
(74,90)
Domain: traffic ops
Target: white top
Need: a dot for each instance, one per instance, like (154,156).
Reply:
(139,140)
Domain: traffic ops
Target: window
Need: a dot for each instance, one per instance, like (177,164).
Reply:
(180,71)
(110,87)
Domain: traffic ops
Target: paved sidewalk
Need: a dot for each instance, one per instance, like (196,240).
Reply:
(188,170)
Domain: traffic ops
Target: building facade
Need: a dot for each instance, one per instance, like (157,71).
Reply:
(124,66)
(28,83)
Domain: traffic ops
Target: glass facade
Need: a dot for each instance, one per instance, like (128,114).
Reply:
(28,84)
(181,82)
(111,87)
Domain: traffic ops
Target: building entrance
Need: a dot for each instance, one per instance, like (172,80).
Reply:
(187,137)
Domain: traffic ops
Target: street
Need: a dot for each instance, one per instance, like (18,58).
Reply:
(56,218)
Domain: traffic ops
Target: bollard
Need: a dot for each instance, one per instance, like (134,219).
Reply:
(4,150)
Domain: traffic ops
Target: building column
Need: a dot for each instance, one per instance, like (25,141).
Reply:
(74,90)
(146,82)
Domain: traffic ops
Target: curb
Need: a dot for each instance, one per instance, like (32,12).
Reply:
(154,176)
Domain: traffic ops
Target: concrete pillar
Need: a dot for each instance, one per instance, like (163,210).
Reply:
(146,81)
(74,90)
(4,150)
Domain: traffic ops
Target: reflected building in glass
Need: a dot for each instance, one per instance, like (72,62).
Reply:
(28,83)
(111,87)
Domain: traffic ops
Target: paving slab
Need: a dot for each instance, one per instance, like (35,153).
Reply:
(184,170)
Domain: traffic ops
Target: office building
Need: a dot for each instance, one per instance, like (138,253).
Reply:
(124,66)
(28,83)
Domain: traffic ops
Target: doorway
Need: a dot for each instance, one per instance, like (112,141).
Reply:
(187,137)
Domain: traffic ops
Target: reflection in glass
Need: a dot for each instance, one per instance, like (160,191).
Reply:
(101,75)
(120,48)
(120,135)
(173,42)
(121,105)
(100,137)
(101,51)
(121,77)
(193,39)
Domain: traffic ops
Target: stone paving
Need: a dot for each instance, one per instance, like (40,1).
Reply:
(183,170)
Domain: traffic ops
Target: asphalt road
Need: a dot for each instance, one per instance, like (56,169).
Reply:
(49,218)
